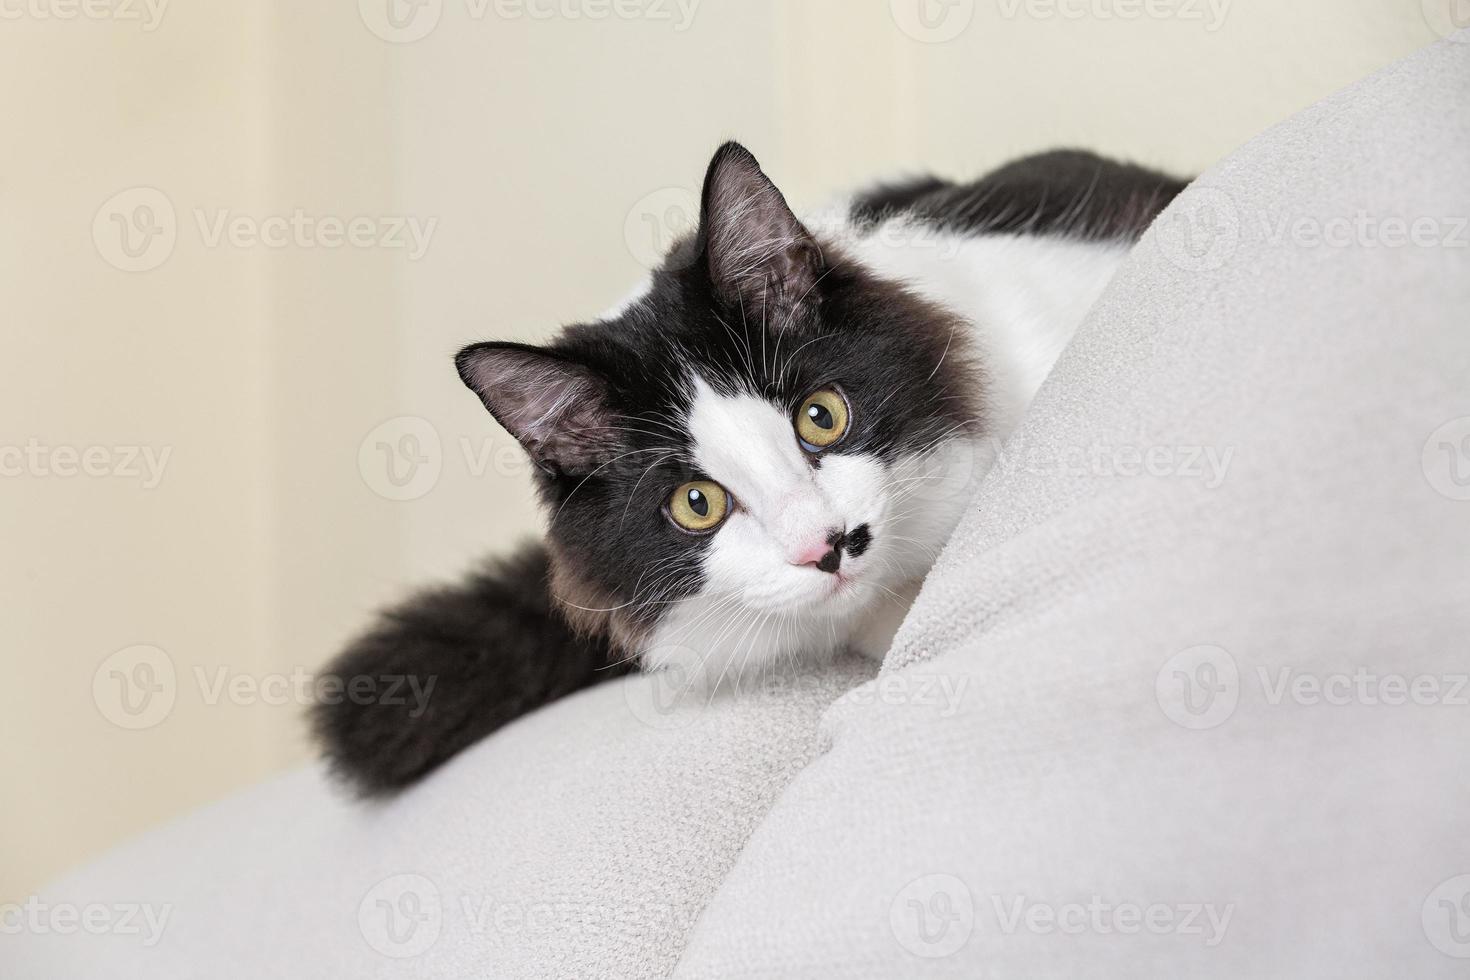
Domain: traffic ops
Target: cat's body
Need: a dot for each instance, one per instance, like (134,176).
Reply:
(755,459)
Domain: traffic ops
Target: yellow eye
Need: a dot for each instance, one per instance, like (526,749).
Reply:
(821,421)
(699,505)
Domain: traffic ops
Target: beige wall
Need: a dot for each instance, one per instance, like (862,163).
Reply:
(546,152)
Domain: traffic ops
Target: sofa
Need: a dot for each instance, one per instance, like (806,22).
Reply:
(1184,696)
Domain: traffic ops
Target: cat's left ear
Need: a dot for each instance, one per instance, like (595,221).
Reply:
(758,254)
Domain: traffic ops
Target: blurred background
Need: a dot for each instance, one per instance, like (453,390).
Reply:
(242,241)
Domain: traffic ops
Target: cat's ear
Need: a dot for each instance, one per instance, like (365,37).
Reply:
(557,409)
(759,255)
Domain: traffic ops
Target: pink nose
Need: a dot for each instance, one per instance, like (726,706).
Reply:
(824,555)
(810,553)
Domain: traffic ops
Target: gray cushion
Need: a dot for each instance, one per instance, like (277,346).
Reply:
(1030,744)
(1132,784)
(582,841)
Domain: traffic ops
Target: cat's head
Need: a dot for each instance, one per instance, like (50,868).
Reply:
(750,458)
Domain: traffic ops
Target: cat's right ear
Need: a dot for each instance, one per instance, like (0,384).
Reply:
(758,254)
(559,410)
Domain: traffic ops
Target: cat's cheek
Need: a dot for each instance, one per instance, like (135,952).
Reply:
(857,486)
(740,559)
(930,496)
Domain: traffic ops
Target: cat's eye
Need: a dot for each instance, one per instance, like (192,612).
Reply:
(699,506)
(822,419)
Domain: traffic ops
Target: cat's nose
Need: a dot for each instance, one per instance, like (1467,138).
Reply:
(825,553)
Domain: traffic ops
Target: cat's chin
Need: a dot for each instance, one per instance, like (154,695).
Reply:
(705,648)
(733,667)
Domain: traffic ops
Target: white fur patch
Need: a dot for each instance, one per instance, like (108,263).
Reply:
(1023,297)
(760,604)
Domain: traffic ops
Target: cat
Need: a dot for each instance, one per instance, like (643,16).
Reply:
(755,459)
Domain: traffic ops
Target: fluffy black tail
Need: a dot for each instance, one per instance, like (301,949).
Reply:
(446,668)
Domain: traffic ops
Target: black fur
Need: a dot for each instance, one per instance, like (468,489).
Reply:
(1072,192)
(884,201)
(752,302)
(494,648)
(802,320)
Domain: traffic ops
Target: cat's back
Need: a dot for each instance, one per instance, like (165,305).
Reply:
(1020,253)
(1066,193)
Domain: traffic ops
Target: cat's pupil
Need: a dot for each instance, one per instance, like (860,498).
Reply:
(819,416)
(699,503)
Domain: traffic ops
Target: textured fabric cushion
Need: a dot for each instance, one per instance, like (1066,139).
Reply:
(1212,718)
(1032,749)
(581,841)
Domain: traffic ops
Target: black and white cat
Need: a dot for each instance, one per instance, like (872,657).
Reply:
(755,459)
